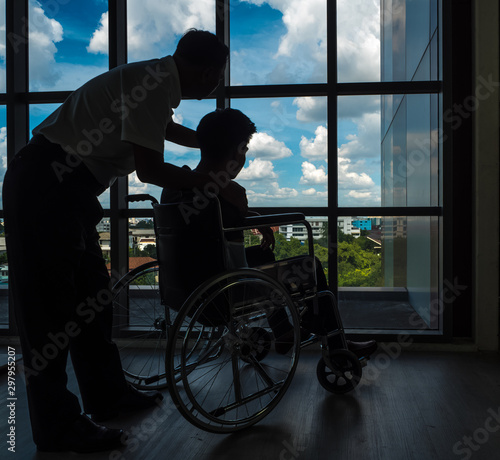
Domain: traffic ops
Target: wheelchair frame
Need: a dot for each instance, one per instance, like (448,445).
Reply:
(223,374)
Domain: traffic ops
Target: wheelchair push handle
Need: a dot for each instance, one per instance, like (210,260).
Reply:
(140,197)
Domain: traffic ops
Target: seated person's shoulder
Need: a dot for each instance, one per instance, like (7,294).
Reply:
(172,195)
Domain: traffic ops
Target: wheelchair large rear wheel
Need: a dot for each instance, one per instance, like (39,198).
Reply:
(140,327)
(224,372)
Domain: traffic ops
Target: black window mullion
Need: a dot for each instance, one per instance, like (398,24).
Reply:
(17,86)
(117,46)
(332,142)
(222,30)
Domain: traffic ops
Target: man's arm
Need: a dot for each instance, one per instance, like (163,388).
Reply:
(181,135)
(151,169)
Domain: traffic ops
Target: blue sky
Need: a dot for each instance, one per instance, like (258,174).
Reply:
(273,41)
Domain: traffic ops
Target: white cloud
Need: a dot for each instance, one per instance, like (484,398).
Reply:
(135,186)
(358,37)
(3,147)
(313,175)
(349,180)
(304,43)
(257,170)
(99,41)
(262,145)
(315,149)
(356,194)
(366,143)
(309,192)
(178,118)
(44,33)
(310,108)
(271,193)
(154,26)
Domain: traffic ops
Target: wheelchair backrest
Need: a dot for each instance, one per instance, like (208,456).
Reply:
(190,246)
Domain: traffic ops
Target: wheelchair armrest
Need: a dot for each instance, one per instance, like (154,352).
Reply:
(269,220)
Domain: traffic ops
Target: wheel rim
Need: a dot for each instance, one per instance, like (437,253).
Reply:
(237,377)
(344,375)
(140,328)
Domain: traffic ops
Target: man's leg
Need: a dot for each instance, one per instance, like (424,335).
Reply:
(95,357)
(42,292)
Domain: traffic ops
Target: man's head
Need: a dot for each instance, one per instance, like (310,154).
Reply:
(223,137)
(201,59)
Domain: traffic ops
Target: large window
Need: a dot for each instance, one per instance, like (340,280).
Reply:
(347,99)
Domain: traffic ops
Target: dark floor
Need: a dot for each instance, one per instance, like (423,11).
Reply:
(414,405)
(378,314)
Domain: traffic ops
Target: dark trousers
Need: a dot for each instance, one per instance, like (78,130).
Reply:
(294,273)
(60,287)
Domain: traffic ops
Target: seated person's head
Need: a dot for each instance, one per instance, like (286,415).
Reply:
(201,59)
(223,137)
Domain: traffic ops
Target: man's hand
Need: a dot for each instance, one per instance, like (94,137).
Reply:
(236,195)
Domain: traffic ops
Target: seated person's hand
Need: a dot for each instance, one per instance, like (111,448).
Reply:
(268,240)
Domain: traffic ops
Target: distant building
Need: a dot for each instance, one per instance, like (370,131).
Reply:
(143,242)
(104,226)
(299,231)
(365,224)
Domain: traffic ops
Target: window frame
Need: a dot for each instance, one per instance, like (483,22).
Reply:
(18,99)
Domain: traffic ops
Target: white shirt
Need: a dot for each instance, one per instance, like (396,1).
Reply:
(131,103)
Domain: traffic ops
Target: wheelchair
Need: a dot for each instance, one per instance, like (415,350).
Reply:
(208,333)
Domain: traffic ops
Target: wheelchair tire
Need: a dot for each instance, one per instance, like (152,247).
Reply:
(140,324)
(346,373)
(223,372)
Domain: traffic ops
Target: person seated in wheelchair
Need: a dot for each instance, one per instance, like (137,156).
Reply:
(223,137)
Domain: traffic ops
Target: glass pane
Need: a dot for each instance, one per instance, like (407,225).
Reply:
(68,43)
(359,151)
(278,42)
(386,40)
(3,37)
(142,241)
(104,230)
(411,148)
(3,146)
(388,272)
(287,157)
(4,270)
(292,240)
(38,113)
(155,26)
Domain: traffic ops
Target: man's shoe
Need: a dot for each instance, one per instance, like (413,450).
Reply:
(362,349)
(83,435)
(133,400)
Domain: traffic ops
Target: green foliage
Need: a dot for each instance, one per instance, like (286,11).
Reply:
(358,262)
(143,224)
(358,265)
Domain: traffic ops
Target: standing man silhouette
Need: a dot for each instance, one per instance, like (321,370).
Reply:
(114,124)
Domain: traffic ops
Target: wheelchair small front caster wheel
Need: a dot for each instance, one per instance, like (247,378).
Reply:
(344,376)
(258,343)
